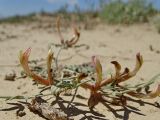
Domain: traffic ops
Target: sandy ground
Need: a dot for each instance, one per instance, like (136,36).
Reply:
(108,42)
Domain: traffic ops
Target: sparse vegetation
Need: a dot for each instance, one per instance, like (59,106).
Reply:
(18,19)
(58,79)
(112,12)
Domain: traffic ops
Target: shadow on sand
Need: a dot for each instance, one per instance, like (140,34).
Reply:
(74,109)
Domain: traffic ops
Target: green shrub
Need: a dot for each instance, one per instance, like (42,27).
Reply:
(130,12)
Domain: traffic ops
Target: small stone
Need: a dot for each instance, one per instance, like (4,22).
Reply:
(10,76)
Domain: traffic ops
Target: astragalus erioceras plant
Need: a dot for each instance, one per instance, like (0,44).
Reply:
(96,87)
(113,83)
(65,43)
(100,87)
(72,41)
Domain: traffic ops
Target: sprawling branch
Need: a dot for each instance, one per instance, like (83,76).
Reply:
(73,39)
(150,95)
(59,31)
(24,62)
(120,77)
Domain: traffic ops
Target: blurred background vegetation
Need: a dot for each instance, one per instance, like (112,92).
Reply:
(133,11)
(110,12)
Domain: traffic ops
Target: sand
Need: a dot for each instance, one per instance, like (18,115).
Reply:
(120,43)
